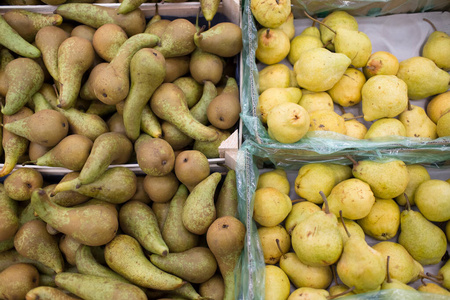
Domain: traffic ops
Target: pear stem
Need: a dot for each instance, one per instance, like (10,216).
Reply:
(267,32)
(342,109)
(333,271)
(28,162)
(440,277)
(388,276)
(298,200)
(342,293)
(409,105)
(408,204)
(279,248)
(321,23)
(327,208)
(343,224)
(156,9)
(352,160)
(431,23)
(201,30)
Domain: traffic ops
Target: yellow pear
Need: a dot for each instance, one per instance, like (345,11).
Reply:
(438,106)
(433,288)
(417,175)
(352,227)
(383,220)
(353,127)
(355,44)
(271,97)
(381,63)
(273,46)
(309,293)
(288,26)
(340,288)
(275,242)
(299,212)
(270,13)
(432,198)
(417,123)
(288,122)
(336,19)
(347,91)
(270,206)
(276,178)
(326,120)
(443,125)
(385,127)
(383,96)
(312,101)
(277,75)
(447,229)
(437,48)
(309,38)
(277,285)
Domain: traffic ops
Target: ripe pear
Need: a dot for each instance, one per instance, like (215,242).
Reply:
(387,179)
(17,280)
(227,199)
(213,287)
(277,75)
(276,283)
(392,283)
(336,19)
(381,63)
(442,126)
(309,38)
(383,220)
(47,292)
(417,123)
(223,39)
(319,69)
(273,46)
(353,127)
(15,42)
(437,44)
(271,97)
(432,198)
(355,44)
(327,120)
(20,183)
(107,40)
(272,13)
(69,247)
(288,26)
(385,127)
(299,212)
(161,188)
(9,219)
(177,39)
(438,106)
(209,9)
(423,77)
(176,67)
(312,101)
(433,289)
(275,242)
(270,206)
(417,175)
(347,91)
(384,96)
(191,167)
(275,178)
(352,227)
(155,156)
(288,122)
(309,293)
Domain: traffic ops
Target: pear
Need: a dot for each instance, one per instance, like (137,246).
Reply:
(417,234)
(212,288)
(413,71)
(12,40)
(128,6)
(288,26)
(387,179)
(223,39)
(433,289)
(9,219)
(339,289)
(361,266)
(87,124)
(309,38)
(442,276)
(437,44)
(205,66)
(288,122)
(160,188)
(381,63)
(273,46)
(69,247)
(67,198)
(390,283)
(347,91)
(319,69)
(404,267)
(191,167)
(116,123)
(176,236)
(94,287)
(34,242)
(209,9)
(138,220)
(277,75)
(47,292)
(353,127)
(309,240)
(275,178)
(177,39)
(175,137)
(96,16)
(312,101)
(146,148)
(223,111)
(355,44)
(191,89)
(87,88)
(417,123)
(442,128)
(5,58)
(272,13)
(327,120)
(227,199)
(199,210)
(385,127)
(432,199)
(20,183)
(176,67)
(211,149)
(107,40)
(271,97)
(299,212)
(447,230)
(438,106)
(352,227)
(208,93)
(17,280)
(11,257)
(150,123)
(417,175)
(24,77)
(353,197)
(225,238)
(124,255)
(275,242)
(336,19)
(309,293)
(78,222)
(271,206)
(383,220)
(384,96)
(302,275)
(276,283)
(147,72)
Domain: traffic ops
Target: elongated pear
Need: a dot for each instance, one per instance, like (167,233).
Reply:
(223,39)
(112,83)
(198,111)
(46,127)
(5,58)
(209,9)
(147,72)
(86,124)
(177,39)
(227,200)
(138,220)
(9,220)
(82,223)
(12,40)
(125,256)
(168,103)
(127,6)
(150,123)
(25,77)
(95,287)
(199,210)
(47,293)
(225,238)
(34,242)
(176,236)
(97,15)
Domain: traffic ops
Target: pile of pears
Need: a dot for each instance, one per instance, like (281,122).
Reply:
(85,71)
(332,230)
(121,236)
(308,79)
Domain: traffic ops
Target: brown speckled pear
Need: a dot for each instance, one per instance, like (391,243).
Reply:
(154,155)
(177,39)
(17,280)
(9,221)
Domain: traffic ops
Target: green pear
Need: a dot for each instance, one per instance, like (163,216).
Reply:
(270,14)
(413,71)
(271,206)
(276,283)
(96,16)
(17,280)
(199,210)
(12,40)
(277,75)
(319,69)
(9,219)
(381,63)
(271,97)
(150,123)
(417,234)
(177,39)
(95,287)
(209,9)
(211,149)
(437,44)
(404,267)
(112,83)
(442,128)
(125,256)
(303,275)
(387,179)
(417,175)
(298,213)
(431,198)
(175,137)
(176,236)
(275,242)
(385,127)
(5,58)
(87,124)
(160,188)
(273,46)
(288,122)
(383,220)
(138,220)
(11,257)
(77,222)
(309,38)
(47,293)
(336,19)
(223,39)
(191,89)
(24,77)
(417,123)
(355,44)
(225,238)
(20,183)
(384,96)
(198,111)
(318,246)
(128,6)
(392,283)
(227,199)
(34,242)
